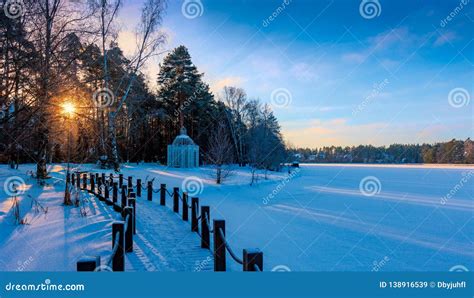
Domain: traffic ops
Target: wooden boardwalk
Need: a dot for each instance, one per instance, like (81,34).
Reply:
(164,242)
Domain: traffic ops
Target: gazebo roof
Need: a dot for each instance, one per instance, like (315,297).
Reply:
(183,139)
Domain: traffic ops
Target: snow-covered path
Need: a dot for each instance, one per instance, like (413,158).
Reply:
(165,242)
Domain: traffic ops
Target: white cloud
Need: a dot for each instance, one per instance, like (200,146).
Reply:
(217,86)
(445,38)
(337,132)
(354,57)
(304,72)
(127,42)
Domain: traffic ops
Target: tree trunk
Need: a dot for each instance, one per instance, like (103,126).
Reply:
(219,174)
(113,143)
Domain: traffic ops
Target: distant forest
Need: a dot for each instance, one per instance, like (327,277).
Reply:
(454,151)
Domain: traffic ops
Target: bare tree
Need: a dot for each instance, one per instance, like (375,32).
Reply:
(149,39)
(108,11)
(51,23)
(236,100)
(220,152)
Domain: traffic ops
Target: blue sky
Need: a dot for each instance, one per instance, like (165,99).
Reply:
(345,77)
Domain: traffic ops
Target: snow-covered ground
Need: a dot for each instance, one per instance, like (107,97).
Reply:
(321,218)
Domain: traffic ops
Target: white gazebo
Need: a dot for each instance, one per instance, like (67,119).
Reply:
(183,153)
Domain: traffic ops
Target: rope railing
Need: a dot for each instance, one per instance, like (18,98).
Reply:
(208,223)
(195,205)
(229,249)
(115,249)
(127,218)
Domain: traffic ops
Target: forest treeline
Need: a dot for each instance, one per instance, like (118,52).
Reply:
(454,152)
(62,52)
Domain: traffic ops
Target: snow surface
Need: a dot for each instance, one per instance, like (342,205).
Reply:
(57,239)
(317,220)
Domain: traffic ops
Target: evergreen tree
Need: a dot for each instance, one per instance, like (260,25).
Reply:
(185,97)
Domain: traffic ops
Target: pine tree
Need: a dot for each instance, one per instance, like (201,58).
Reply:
(185,97)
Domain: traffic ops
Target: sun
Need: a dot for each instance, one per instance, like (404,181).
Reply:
(69,108)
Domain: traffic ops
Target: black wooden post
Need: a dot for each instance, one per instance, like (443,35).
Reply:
(219,245)
(139,188)
(111,178)
(118,260)
(150,190)
(185,206)
(68,178)
(163,194)
(92,183)
(84,181)
(78,180)
(130,182)
(194,217)
(130,190)
(176,199)
(88,264)
(99,186)
(128,211)
(132,202)
(120,180)
(107,195)
(114,192)
(124,197)
(204,227)
(73,178)
(253,258)
(115,196)
(96,177)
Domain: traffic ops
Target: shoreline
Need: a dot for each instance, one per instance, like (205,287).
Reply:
(407,166)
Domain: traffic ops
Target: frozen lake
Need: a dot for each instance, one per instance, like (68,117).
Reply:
(320,220)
